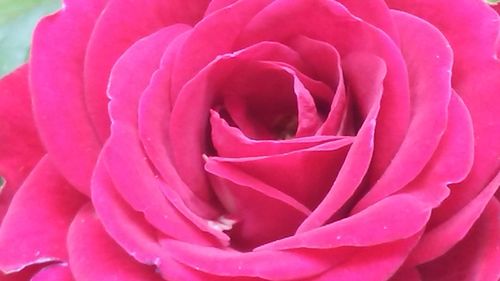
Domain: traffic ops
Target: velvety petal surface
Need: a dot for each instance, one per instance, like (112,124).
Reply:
(60,112)
(118,27)
(56,272)
(429,70)
(35,226)
(93,255)
(20,147)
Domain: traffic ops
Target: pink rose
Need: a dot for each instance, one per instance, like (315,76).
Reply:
(254,140)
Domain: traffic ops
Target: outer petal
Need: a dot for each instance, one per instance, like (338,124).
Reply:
(372,264)
(94,256)
(476,69)
(476,257)
(119,26)
(20,148)
(56,79)
(35,226)
(56,272)
(429,59)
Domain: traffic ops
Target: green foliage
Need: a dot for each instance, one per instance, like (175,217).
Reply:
(492,2)
(17,20)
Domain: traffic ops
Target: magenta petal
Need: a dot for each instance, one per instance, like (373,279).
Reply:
(35,226)
(359,156)
(407,274)
(371,264)
(129,169)
(94,256)
(118,28)
(231,142)
(476,257)
(476,69)
(429,69)
(394,218)
(314,168)
(20,147)
(133,70)
(269,265)
(374,12)
(439,239)
(331,22)
(213,36)
(188,123)
(56,272)
(60,112)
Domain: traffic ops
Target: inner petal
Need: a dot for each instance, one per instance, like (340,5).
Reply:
(267,100)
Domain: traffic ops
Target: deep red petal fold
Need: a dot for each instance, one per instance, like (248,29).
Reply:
(20,147)
(94,256)
(35,227)
(56,74)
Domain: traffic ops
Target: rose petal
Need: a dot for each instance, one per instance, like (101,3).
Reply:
(476,69)
(231,142)
(269,265)
(130,230)
(366,83)
(119,26)
(476,257)
(429,69)
(373,12)
(371,264)
(248,201)
(314,169)
(192,107)
(60,112)
(394,218)
(213,36)
(331,22)
(442,237)
(93,255)
(20,148)
(35,226)
(325,61)
(407,274)
(129,170)
(57,272)
(126,84)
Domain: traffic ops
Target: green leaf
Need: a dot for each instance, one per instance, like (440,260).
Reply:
(17,20)
(492,2)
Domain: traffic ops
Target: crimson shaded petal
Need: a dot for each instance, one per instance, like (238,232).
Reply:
(231,142)
(268,265)
(213,36)
(56,72)
(476,257)
(133,70)
(441,238)
(56,272)
(366,77)
(476,69)
(35,226)
(94,256)
(372,264)
(394,218)
(314,168)
(329,21)
(429,68)
(129,169)
(118,27)
(20,148)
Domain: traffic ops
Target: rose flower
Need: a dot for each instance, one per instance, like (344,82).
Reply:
(189,140)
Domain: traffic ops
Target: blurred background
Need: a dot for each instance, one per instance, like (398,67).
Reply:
(17,21)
